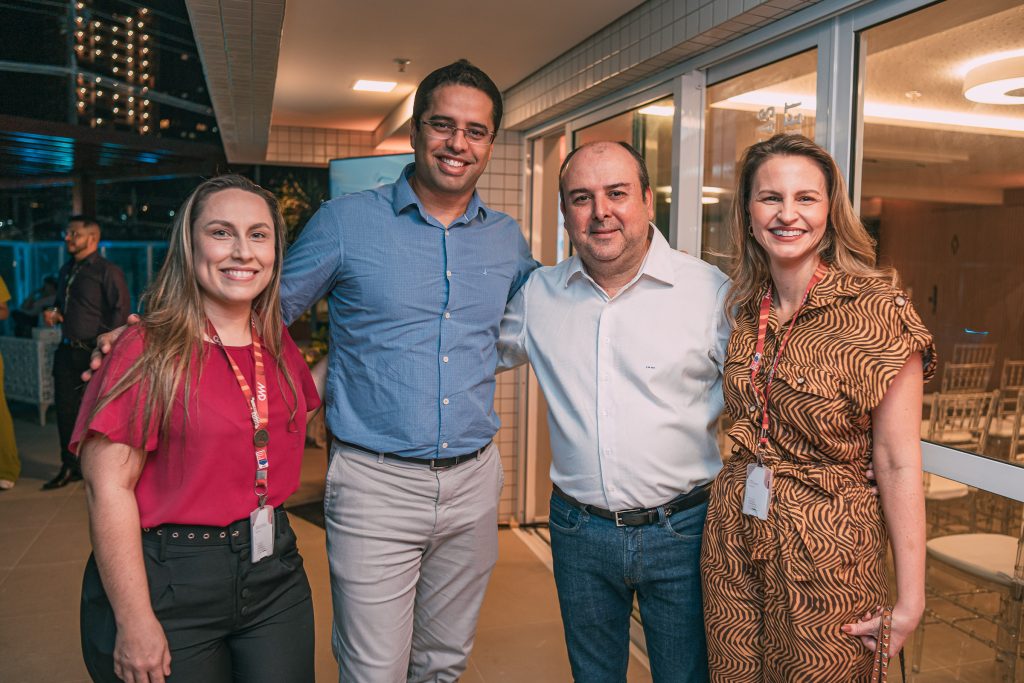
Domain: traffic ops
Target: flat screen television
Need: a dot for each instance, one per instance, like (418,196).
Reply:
(356,174)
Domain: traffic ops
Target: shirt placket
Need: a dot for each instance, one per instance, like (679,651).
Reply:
(444,351)
(607,438)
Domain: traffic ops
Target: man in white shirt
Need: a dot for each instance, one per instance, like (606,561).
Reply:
(628,340)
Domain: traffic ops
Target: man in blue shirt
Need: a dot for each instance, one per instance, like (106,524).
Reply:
(417,275)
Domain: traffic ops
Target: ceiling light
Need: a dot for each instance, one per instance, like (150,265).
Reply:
(374,86)
(658,110)
(711,189)
(709,200)
(1000,82)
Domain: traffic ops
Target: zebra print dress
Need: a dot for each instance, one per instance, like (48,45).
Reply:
(777,591)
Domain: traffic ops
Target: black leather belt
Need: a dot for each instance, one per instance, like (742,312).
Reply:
(432,463)
(84,344)
(236,533)
(642,516)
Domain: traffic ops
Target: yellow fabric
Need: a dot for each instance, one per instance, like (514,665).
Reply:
(10,465)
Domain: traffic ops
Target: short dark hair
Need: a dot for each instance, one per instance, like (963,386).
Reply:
(85,220)
(641,165)
(458,73)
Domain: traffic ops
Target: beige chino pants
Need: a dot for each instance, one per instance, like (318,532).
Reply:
(410,551)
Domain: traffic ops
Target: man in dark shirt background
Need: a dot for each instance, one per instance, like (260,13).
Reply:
(92,298)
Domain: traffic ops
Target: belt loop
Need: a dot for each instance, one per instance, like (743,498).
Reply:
(380,458)
(163,546)
(663,514)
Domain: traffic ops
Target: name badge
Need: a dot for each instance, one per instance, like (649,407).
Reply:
(757,493)
(261,526)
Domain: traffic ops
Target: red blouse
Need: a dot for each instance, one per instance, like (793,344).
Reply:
(202,471)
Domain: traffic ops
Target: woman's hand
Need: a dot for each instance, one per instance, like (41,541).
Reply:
(904,621)
(141,654)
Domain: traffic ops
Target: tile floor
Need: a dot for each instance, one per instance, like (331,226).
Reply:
(44,544)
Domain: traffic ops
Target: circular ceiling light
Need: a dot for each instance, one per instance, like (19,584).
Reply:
(1000,82)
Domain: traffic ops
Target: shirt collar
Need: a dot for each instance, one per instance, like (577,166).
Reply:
(88,259)
(836,284)
(403,197)
(657,263)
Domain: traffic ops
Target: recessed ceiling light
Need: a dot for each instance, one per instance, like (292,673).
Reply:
(1000,82)
(374,86)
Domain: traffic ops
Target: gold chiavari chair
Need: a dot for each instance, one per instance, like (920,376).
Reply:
(974,353)
(965,377)
(1011,385)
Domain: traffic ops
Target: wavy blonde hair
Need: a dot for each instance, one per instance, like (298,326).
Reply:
(174,322)
(846,245)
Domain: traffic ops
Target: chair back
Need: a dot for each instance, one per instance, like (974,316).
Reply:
(962,420)
(1011,382)
(974,353)
(1016,425)
(965,377)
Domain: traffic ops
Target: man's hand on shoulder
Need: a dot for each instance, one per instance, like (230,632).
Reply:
(104,343)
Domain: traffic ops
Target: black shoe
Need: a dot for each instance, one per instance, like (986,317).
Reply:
(63,478)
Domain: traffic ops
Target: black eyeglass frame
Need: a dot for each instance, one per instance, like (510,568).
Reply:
(430,127)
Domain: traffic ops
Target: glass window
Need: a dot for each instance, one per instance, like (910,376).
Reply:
(777,98)
(942,189)
(649,130)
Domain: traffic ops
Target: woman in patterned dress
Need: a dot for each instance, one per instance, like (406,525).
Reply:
(793,583)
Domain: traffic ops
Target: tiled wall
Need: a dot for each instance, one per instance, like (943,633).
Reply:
(501,187)
(653,36)
(296,145)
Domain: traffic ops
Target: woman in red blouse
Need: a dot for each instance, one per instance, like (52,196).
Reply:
(193,433)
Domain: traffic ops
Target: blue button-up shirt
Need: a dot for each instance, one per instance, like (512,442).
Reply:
(415,308)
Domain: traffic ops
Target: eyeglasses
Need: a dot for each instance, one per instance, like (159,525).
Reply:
(442,130)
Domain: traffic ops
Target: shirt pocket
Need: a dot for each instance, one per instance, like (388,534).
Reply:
(811,408)
(808,381)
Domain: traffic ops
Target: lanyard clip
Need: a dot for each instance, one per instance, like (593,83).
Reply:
(261,487)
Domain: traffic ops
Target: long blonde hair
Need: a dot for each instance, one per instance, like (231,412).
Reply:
(174,321)
(846,245)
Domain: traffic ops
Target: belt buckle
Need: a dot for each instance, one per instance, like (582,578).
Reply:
(436,468)
(618,518)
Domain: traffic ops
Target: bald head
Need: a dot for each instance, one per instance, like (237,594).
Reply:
(608,205)
(602,148)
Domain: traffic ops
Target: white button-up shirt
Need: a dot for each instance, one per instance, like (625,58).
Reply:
(633,382)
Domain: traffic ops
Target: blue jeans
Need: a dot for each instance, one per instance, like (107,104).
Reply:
(598,568)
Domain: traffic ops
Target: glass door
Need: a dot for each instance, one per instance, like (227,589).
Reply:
(941,188)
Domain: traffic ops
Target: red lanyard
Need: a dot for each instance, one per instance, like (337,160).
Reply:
(259,407)
(762,333)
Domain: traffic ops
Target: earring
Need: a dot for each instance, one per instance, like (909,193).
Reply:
(750,230)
